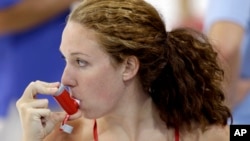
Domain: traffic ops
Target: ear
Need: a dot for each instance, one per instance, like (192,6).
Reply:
(131,67)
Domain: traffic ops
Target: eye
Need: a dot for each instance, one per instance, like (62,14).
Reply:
(81,63)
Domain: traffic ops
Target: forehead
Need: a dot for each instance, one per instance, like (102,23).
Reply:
(76,37)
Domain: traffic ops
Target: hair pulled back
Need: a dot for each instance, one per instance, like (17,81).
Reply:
(178,69)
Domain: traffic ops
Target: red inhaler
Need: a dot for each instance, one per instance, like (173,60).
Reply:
(69,105)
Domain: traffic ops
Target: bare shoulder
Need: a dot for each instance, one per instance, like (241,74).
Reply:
(82,131)
(216,133)
(211,133)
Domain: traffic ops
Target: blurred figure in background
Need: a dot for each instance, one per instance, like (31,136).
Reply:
(227,25)
(192,13)
(30,34)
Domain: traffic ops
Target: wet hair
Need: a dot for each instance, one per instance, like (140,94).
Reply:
(178,69)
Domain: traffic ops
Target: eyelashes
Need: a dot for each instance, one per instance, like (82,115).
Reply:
(81,63)
(76,61)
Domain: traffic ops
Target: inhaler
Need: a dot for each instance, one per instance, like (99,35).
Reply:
(69,105)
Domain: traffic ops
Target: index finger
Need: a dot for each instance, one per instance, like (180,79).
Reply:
(39,87)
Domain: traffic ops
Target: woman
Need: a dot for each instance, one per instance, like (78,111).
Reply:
(134,80)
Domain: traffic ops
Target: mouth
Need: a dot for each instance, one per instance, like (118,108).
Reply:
(72,96)
(77,101)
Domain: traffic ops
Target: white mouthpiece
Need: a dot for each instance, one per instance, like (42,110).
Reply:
(66,128)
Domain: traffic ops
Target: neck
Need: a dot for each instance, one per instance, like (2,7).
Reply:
(135,114)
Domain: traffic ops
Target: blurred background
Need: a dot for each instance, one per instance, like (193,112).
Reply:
(30,34)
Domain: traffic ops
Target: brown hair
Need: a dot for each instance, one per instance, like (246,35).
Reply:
(178,69)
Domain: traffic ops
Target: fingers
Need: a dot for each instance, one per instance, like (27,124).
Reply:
(27,109)
(56,117)
(47,117)
(38,103)
(39,87)
(34,114)
(36,87)
(36,119)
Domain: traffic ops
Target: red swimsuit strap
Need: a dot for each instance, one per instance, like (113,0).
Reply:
(176,132)
(95,133)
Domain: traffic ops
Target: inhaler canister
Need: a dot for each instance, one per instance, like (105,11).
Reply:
(64,99)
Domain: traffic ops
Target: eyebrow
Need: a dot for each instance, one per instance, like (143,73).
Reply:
(78,53)
(74,53)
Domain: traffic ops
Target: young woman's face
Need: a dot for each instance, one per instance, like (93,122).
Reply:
(92,79)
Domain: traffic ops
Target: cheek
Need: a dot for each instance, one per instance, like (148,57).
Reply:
(105,87)
(102,93)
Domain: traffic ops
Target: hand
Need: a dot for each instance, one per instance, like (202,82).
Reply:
(36,119)
(242,90)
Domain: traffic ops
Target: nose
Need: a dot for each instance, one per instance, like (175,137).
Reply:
(68,77)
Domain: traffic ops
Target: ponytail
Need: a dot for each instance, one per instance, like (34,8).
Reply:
(189,86)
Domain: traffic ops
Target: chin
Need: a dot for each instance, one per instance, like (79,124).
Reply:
(91,115)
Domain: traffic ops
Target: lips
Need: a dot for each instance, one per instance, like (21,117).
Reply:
(78,101)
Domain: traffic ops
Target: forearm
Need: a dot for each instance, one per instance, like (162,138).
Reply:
(30,13)
(227,37)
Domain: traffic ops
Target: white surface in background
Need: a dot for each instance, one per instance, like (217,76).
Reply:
(11,127)
(169,9)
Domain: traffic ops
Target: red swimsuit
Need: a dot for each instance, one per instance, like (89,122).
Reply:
(95,134)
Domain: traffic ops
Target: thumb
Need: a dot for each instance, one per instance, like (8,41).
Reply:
(54,119)
(57,117)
